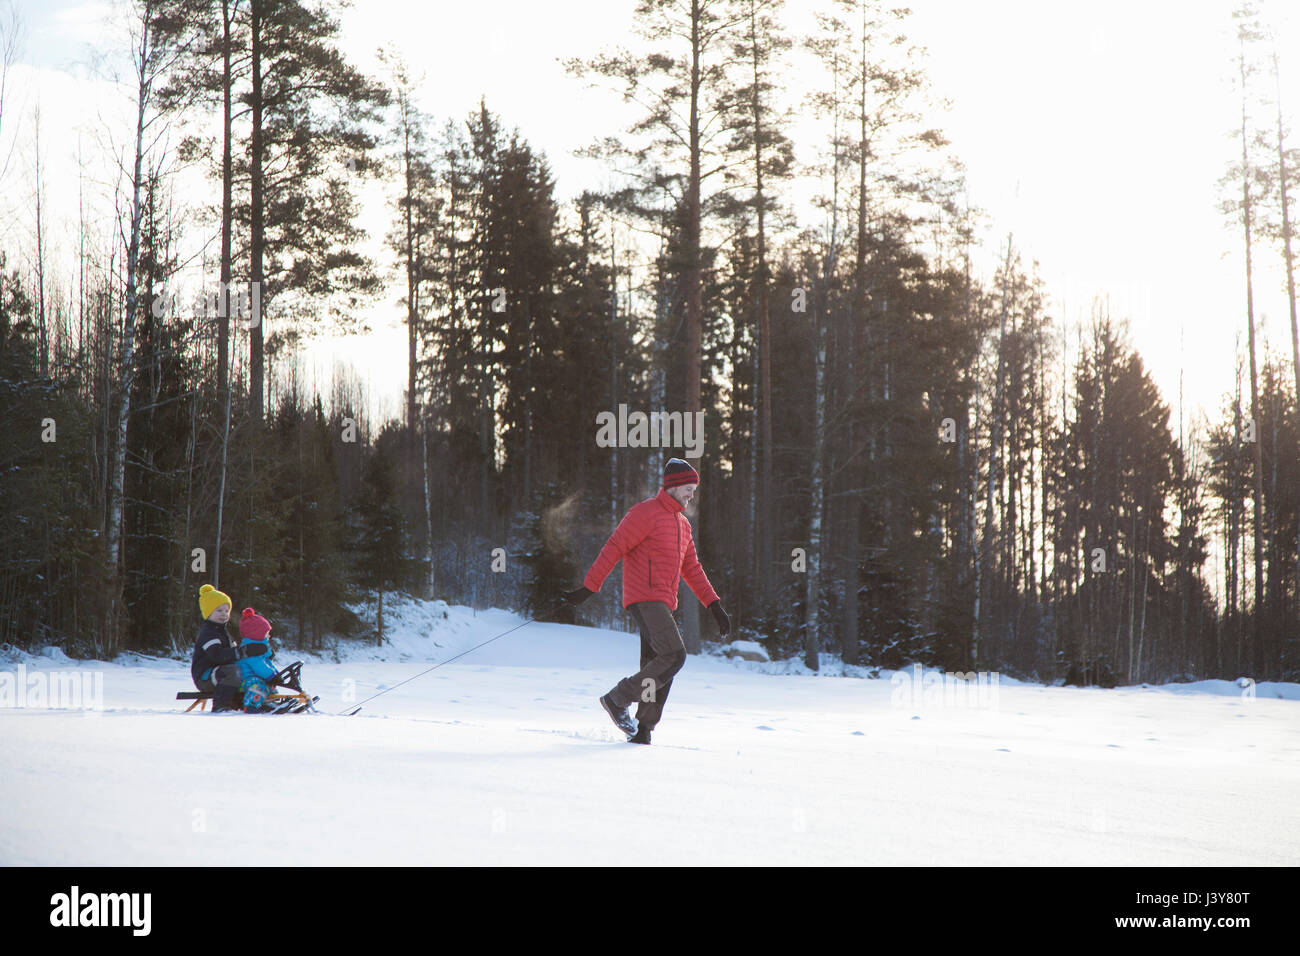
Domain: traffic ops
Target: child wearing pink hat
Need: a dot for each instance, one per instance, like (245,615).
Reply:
(255,665)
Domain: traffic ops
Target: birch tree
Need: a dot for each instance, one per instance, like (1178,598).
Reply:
(1251,181)
(150,59)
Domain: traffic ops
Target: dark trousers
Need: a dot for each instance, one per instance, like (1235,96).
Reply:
(662,656)
(224,683)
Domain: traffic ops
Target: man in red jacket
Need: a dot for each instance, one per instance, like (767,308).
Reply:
(655,545)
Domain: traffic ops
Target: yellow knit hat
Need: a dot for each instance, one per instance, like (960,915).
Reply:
(210,599)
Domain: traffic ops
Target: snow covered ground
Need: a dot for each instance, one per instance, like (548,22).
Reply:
(504,757)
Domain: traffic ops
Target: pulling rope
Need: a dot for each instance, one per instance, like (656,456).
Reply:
(351,708)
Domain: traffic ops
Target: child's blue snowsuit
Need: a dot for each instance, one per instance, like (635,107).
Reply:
(254,673)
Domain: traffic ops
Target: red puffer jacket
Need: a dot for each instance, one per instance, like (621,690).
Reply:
(654,541)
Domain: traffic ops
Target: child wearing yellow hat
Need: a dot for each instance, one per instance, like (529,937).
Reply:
(214,665)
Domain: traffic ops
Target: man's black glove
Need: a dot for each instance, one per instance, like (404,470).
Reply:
(252,649)
(578,596)
(719,615)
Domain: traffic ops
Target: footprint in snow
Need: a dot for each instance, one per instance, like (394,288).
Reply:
(765,727)
(858,733)
(1004,750)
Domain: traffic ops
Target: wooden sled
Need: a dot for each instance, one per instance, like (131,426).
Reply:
(291,699)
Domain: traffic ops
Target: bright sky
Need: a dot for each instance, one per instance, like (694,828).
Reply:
(1095,132)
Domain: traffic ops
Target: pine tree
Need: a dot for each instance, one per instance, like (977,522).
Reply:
(876,92)
(381,562)
(765,158)
(310,113)
(414,239)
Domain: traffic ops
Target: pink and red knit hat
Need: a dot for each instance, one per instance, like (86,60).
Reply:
(254,627)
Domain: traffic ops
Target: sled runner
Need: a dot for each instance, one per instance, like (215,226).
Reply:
(292,699)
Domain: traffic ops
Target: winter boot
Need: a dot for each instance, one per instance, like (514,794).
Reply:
(226,699)
(642,735)
(622,719)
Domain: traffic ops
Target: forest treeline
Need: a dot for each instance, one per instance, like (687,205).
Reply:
(905,460)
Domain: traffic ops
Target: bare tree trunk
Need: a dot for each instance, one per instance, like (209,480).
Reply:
(113,536)
(812,636)
(1235,519)
(995,427)
(226,270)
(1142,626)
(528,406)
(1043,452)
(486,421)
(412,285)
(613,371)
(81,261)
(764,319)
(821,323)
(977,552)
(1287,255)
(1132,604)
(40,256)
(416,439)
(257,211)
(189,508)
(1246,201)
(227,207)
(221,488)
(694,302)
(1274,585)
(428,510)
(854,473)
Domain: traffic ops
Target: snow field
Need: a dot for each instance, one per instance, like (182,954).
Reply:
(504,757)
